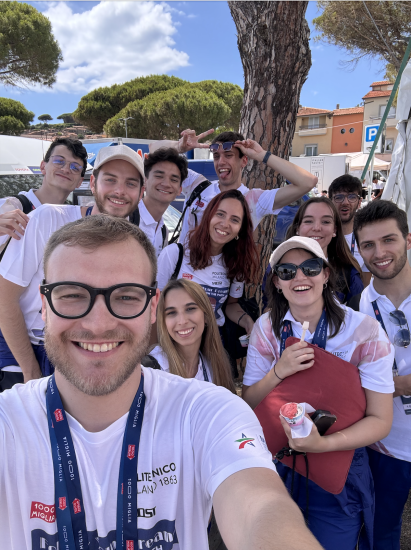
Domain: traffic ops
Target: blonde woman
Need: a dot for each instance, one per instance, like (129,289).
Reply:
(189,341)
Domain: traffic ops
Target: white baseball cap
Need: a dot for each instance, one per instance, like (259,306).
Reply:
(297,242)
(120,152)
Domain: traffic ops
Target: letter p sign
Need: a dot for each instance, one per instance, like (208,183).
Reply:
(370,133)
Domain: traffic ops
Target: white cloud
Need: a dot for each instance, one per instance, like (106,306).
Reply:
(314,92)
(112,43)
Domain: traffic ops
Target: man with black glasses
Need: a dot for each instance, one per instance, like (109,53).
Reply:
(117,184)
(108,454)
(383,238)
(345,192)
(231,153)
(63,169)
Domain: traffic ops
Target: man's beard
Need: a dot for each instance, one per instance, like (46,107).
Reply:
(398,265)
(100,205)
(96,385)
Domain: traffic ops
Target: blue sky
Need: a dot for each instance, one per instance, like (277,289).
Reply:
(104,43)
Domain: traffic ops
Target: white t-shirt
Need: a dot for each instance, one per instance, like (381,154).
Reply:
(189,445)
(398,441)
(162,359)
(213,278)
(22,263)
(356,254)
(32,198)
(152,228)
(360,341)
(260,202)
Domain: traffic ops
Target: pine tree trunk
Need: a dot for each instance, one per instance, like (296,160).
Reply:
(273,44)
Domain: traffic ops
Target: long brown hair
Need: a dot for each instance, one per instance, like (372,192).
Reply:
(339,255)
(240,255)
(211,346)
(279,304)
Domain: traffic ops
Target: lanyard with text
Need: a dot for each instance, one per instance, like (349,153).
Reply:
(406,399)
(320,335)
(204,369)
(88,211)
(70,514)
(352,243)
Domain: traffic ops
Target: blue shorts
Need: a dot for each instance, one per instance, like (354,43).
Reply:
(340,521)
(7,359)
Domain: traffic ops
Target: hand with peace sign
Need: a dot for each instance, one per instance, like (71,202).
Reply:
(189,140)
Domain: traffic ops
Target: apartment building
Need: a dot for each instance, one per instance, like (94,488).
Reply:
(313,132)
(347,130)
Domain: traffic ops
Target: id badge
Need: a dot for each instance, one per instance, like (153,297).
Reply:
(406,403)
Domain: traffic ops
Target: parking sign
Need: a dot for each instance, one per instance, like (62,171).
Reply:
(369,137)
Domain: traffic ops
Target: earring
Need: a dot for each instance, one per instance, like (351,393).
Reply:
(334,234)
(279,290)
(237,237)
(325,284)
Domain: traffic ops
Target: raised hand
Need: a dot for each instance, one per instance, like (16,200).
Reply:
(190,140)
(13,224)
(251,149)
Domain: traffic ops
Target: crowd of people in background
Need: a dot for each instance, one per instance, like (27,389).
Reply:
(116,291)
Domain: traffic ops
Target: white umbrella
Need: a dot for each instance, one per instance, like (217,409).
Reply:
(398,187)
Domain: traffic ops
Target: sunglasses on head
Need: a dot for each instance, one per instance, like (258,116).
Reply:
(310,268)
(227,146)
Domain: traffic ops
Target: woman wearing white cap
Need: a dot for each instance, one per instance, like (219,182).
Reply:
(300,289)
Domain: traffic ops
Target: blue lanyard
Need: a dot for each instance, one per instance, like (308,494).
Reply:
(204,369)
(70,513)
(379,319)
(88,211)
(320,334)
(352,243)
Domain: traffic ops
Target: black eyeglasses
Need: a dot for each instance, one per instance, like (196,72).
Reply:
(351,197)
(227,146)
(310,268)
(402,337)
(61,162)
(75,300)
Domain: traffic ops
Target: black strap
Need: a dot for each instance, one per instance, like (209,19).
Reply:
(194,195)
(150,362)
(164,234)
(179,262)
(27,205)
(134,217)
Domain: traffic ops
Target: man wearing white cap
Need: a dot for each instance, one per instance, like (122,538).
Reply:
(117,184)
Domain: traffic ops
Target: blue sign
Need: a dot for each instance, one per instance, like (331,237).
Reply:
(371,132)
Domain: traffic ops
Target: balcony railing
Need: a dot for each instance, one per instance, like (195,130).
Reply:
(313,126)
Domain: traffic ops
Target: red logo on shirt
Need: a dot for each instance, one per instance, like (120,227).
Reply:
(129,545)
(131,452)
(199,203)
(187,276)
(43,511)
(62,503)
(76,506)
(58,413)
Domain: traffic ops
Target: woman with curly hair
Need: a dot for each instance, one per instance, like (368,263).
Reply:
(220,255)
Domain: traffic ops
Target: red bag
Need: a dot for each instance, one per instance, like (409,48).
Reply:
(331,384)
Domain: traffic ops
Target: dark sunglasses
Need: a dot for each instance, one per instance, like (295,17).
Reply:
(351,197)
(75,300)
(403,336)
(227,146)
(310,268)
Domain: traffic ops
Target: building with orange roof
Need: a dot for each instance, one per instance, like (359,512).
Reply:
(375,102)
(312,132)
(347,130)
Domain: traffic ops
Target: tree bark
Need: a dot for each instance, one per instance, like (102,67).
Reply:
(273,44)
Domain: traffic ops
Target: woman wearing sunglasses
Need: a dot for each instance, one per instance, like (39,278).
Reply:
(189,342)
(318,219)
(220,255)
(301,288)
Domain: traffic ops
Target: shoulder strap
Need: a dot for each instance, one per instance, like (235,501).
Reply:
(164,234)
(150,362)
(27,205)
(194,195)
(134,217)
(179,262)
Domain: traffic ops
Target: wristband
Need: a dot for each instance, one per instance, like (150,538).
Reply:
(266,157)
(241,316)
(277,375)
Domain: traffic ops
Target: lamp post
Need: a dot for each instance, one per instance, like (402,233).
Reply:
(125,122)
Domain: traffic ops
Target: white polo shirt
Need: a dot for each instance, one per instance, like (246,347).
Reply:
(152,228)
(159,354)
(398,441)
(260,202)
(356,254)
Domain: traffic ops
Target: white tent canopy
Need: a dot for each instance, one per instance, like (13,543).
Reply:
(20,155)
(398,188)
(358,162)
